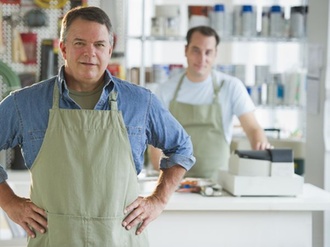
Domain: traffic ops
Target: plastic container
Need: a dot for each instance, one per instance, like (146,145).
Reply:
(248,21)
(298,21)
(158,26)
(172,25)
(219,19)
(275,90)
(237,20)
(276,22)
(160,72)
(229,23)
(262,79)
(265,22)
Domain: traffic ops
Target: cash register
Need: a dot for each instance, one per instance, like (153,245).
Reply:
(261,173)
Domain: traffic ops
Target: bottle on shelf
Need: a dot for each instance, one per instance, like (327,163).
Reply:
(166,21)
(218,19)
(262,79)
(199,15)
(298,21)
(264,22)
(229,22)
(276,21)
(275,90)
(248,20)
(157,26)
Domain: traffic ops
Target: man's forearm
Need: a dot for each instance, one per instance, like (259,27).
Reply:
(168,182)
(6,195)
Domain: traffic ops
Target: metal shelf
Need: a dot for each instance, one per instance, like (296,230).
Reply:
(230,39)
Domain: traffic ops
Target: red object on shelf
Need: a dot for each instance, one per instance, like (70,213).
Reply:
(199,10)
(11,1)
(114,69)
(30,46)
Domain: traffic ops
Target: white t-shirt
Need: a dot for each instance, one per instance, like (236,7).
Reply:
(233,97)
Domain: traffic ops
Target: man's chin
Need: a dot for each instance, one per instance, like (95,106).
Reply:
(201,73)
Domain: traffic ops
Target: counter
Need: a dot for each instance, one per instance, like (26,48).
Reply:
(194,221)
(191,220)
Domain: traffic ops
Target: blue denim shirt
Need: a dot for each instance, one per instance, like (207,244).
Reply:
(24,120)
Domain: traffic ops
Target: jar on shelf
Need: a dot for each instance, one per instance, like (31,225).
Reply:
(275,90)
(199,15)
(172,25)
(298,21)
(229,22)
(248,21)
(218,19)
(166,21)
(262,79)
(276,22)
(237,20)
(264,22)
(160,72)
(157,26)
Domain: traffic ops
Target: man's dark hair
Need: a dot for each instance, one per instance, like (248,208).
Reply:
(90,13)
(205,30)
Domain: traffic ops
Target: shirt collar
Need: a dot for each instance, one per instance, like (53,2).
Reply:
(108,85)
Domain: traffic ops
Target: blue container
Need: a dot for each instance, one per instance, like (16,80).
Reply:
(247,8)
(219,8)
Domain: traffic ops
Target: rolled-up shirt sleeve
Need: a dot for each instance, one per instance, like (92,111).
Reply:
(9,129)
(167,134)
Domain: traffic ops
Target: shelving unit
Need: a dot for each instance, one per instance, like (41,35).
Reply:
(236,50)
(139,23)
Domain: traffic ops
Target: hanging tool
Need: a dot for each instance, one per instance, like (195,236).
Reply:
(18,51)
(35,17)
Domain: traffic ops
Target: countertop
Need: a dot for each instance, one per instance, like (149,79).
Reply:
(312,198)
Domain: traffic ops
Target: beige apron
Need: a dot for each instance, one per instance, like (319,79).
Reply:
(84,176)
(204,124)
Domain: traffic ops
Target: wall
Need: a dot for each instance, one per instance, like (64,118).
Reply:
(318,34)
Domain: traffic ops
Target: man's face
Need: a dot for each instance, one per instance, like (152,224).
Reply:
(201,54)
(87,52)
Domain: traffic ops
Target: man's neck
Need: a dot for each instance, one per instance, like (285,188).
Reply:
(196,78)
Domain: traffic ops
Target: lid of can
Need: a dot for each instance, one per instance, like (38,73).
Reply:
(275,8)
(299,9)
(219,7)
(247,8)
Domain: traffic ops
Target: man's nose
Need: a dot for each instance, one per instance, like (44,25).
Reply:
(89,50)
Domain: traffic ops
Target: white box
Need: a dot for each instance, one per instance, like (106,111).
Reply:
(259,168)
(261,186)
(248,167)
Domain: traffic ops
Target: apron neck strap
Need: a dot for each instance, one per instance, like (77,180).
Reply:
(56,96)
(178,86)
(216,87)
(113,101)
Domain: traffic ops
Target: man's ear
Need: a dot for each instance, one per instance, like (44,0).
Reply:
(63,49)
(110,51)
